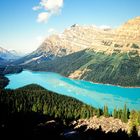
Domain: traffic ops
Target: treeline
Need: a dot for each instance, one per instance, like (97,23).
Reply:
(3,81)
(37,99)
(9,69)
(34,98)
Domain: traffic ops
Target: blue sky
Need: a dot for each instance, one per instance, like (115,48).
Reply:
(25,23)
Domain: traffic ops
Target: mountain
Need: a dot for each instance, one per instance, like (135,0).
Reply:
(130,30)
(8,55)
(99,55)
(2,61)
(73,39)
(77,38)
(15,53)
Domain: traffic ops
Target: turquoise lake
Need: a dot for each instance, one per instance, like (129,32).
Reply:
(93,94)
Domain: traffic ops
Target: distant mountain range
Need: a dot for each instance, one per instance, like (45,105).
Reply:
(91,53)
(7,56)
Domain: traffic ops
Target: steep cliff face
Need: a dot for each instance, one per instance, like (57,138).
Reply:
(78,37)
(123,39)
(128,36)
(73,39)
(130,31)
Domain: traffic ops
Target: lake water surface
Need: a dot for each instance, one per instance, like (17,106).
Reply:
(93,94)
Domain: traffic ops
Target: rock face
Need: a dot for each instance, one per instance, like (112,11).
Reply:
(78,37)
(107,124)
(73,39)
(130,31)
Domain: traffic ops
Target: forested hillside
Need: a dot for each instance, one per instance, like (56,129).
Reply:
(34,111)
(35,98)
(117,68)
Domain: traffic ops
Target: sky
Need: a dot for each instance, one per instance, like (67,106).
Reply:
(24,24)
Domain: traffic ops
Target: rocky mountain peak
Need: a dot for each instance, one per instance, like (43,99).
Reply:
(135,22)
(79,37)
(131,30)
(74,25)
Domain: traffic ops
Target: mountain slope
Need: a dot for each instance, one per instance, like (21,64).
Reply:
(73,39)
(130,29)
(76,38)
(2,61)
(107,56)
(118,68)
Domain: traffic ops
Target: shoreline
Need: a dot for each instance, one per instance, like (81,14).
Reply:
(78,79)
(99,83)
(110,84)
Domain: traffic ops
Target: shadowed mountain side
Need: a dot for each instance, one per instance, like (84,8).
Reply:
(118,68)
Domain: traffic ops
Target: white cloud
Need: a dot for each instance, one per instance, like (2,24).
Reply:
(104,27)
(40,39)
(52,30)
(35,8)
(51,7)
(43,17)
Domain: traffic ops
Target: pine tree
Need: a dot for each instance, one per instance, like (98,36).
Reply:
(34,108)
(133,120)
(124,115)
(119,113)
(139,117)
(88,114)
(115,113)
(105,111)
(45,109)
(98,113)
